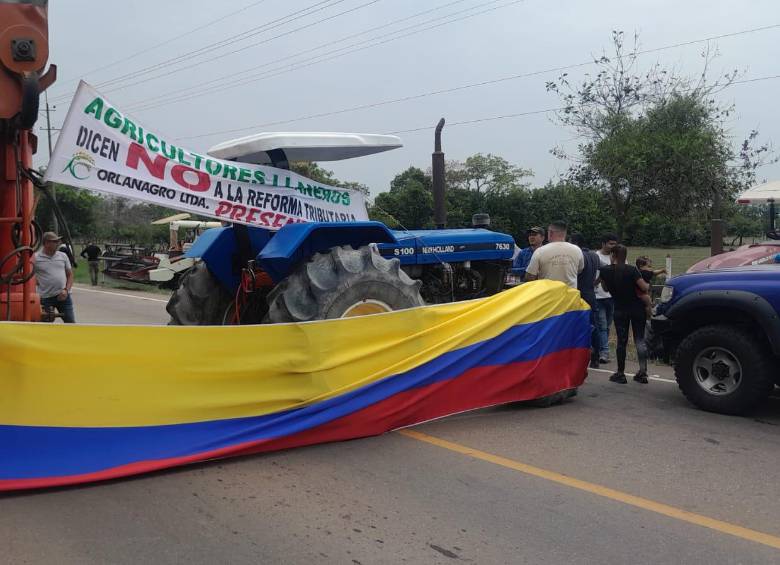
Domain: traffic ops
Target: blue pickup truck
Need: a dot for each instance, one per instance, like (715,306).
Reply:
(721,329)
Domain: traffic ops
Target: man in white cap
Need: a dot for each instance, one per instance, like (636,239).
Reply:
(54,277)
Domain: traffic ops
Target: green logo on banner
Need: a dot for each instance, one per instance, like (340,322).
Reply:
(81,163)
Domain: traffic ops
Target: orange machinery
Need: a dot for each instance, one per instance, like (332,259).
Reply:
(24,49)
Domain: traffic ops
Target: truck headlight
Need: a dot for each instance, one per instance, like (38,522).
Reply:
(666,294)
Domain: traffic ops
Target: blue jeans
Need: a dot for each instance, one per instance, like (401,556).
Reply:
(64,307)
(605,313)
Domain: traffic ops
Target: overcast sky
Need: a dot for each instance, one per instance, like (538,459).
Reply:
(515,37)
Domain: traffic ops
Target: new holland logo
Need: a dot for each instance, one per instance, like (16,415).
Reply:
(80,164)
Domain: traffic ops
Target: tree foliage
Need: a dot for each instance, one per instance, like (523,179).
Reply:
(654,141)
(79,207)
(317,173)
(409,202)
(91,216)
(485,174)
(481,183)
(123,219)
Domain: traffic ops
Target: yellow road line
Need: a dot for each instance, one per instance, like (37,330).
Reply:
(625,498)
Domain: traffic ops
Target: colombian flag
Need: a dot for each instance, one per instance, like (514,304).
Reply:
(82,403)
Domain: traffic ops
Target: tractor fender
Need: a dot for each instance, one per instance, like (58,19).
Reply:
(219,249)
(295,243)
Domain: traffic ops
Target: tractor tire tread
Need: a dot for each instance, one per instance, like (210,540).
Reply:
(318,289)
(199,299)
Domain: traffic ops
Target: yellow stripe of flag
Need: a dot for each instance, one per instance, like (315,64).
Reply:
(91,376)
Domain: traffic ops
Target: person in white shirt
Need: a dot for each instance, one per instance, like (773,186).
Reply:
(558,260)
(605,305)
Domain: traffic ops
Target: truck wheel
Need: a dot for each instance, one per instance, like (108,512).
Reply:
(341,283)
(723,369)
(199,300)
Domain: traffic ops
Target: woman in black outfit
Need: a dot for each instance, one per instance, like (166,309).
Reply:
(622,282)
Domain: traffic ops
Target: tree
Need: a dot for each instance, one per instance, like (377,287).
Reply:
(79,208)
(122,219)
(675,161)
(408,204)
(744,221)
(485,174)
(411,174)
(410,208)
(356,186)
(653,141)
(583,208)
(315,172)
(485,184)
(481,183)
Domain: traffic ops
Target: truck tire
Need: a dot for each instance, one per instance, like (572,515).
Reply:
(341,283)
(199,299)
(723,369)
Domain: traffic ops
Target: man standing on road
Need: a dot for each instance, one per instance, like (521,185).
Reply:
(92,253)
(558,260)
(54,277)
(605,305)
(535,241)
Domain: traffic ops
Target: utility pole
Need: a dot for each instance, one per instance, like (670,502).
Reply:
(48,121)
(54,223)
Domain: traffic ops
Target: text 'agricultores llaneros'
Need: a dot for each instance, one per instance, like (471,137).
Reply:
(102,149)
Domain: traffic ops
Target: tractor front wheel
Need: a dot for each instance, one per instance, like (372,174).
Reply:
(341,283)
(199,299)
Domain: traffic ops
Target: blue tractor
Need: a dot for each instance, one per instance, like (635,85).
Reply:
(314,271)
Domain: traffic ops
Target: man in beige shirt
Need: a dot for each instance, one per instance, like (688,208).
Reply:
(558,260)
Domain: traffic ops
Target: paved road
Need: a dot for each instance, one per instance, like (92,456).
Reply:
(101,305)
(429,497)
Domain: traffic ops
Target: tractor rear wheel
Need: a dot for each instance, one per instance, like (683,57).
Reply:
(341,283)
(199,299)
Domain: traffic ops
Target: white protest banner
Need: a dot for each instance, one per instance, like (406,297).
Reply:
(102,149)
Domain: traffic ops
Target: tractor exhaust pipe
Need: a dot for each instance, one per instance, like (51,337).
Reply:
(437,173)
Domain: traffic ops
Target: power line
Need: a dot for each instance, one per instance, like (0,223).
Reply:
(478,120)
(219,79)
(203,61)
(166,42)
(472,85)
(549,110)
(292,16)
(748,80)
(346,51)
(219,44)
(299,64)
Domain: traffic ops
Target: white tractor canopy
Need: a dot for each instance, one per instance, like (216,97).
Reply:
(761,194)
(303,146)
(169,219)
